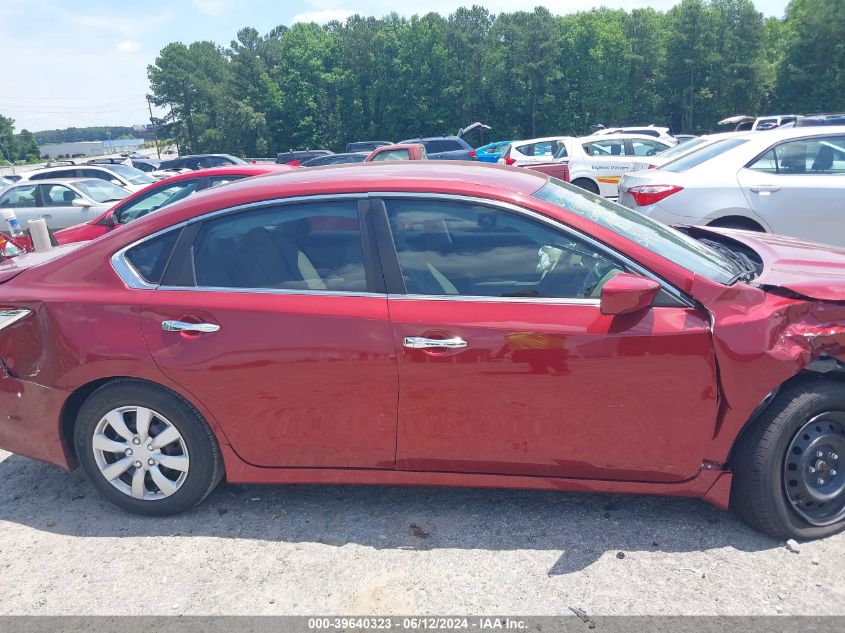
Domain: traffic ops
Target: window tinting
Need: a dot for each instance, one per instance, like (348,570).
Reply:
(57,195)
(393,154)
(154,200)
(295,247)
(451,248)
(804,156)
(19,197)
(150,258)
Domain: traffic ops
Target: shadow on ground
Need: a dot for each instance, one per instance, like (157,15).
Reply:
(582,526)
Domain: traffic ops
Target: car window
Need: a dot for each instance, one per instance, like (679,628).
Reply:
(540,149)
(310,247)
(57,196)
(453,248)
(821,155)
(656,236)
(150,258)
(448,145)
(102,190)
(131,174)
(96,173)
(615,147)
(683,148)
(19,197)
(393,154)
(154,200)
(641,147)
(697,157)
(146,167)
(217,161)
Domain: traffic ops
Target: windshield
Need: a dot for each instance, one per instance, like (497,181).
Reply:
(698,156)
(135,176)
(102,190)
(656,236)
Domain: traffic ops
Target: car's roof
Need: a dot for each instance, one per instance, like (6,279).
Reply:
(54,181)
(618,135)
(541,139)
(430,138)
(256,169)
(458,177)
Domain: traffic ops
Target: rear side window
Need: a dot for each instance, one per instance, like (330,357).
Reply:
(694,159)
(393,154)
(312,247)
(19,197)
(150,258)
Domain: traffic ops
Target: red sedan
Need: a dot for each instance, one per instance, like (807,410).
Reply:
(160,194)
(432,324)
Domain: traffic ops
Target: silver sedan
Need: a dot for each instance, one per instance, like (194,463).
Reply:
(785,181)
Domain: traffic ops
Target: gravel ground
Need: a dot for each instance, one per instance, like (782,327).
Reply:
(367,550)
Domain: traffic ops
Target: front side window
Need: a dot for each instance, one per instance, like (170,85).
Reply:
(656,236)
(454,248)
(155,200)
(222,180)
(311,247)
(824,155)
(102,190)
(19,197)
(57,196)
(131,174)
(641,147)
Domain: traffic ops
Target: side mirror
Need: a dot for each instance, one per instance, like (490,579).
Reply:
(81,202)
(626,293)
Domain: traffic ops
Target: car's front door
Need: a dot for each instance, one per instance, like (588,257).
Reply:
(797,188)
(274,319)
(530,377)
(57,207)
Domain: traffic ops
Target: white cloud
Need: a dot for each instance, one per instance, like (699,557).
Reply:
(322,16)
(129,46)
(213,7)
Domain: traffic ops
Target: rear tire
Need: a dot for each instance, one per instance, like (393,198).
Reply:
(738,223)
(786,469)
(586,184)
(146,449)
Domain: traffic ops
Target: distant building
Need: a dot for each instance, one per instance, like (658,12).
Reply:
(90,148)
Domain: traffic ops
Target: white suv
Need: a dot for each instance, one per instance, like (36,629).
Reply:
(122,175)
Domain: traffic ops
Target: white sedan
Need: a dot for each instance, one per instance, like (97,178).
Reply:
(62,202)
(788,181)
(596,163)
(120,175)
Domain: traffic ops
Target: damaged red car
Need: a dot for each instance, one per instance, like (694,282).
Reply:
(432,324)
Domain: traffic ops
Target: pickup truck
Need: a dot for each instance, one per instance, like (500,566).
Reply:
(555,170)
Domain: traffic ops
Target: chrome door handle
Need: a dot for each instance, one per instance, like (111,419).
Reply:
(419,342)
(182,326)
(765,189)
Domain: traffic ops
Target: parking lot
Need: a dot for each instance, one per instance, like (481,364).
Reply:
(373,550)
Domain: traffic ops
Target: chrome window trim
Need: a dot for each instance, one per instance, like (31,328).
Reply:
(677,293)
(487,299)
(133,279)
(275,291)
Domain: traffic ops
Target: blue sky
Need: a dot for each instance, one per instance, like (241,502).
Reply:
(77,63)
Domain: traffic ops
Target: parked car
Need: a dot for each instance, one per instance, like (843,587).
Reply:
(596,163)
(403,151)
(365,146)
(297,157)
(120,175)
(789,182)
(815,120)
(492,152)
(699,142)
(444,147)
(208,339)
(336,159)
(685,138)
(745,123)
(158,195)
(62,202)
(661,133)
(201,161)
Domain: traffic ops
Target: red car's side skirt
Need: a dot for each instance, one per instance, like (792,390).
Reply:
(711,485)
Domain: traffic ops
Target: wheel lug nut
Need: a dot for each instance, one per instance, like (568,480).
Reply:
(138,464)
(812,469)
(137,440)
(150,448)
(820,481)
(819,454)
(128,451)
(833,473)
(151,461)
(833,456)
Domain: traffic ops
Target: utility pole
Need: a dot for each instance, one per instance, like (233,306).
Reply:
(155,127)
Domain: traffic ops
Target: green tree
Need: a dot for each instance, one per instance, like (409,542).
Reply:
(8,141)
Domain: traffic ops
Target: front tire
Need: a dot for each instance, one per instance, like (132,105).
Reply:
(146,449)
(586,184)
(789,470)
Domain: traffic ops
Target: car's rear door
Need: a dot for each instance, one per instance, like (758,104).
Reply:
(57,207)
(275,318)
(507,365)
(797,188)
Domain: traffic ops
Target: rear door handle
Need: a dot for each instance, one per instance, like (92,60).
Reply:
(419,342)
(183,326)
(765,190)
